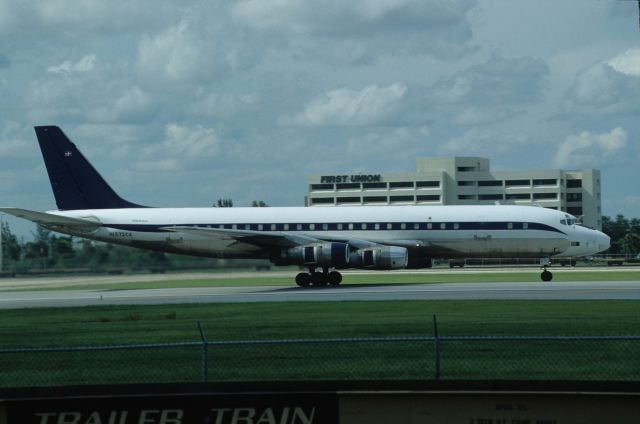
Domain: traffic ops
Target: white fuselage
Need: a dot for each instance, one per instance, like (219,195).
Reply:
(440,231)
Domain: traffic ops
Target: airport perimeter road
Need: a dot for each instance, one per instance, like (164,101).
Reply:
(604,290)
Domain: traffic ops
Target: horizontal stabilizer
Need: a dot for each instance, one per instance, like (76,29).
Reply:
(48,219)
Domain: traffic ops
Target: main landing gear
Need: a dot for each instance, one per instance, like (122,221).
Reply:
(546,274)
(319,279)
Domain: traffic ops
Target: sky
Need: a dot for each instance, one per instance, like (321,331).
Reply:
(180,103)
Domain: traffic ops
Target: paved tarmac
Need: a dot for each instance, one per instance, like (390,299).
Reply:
(577,290)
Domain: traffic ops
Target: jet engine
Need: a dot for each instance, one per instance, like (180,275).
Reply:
(381,257)
(326,255)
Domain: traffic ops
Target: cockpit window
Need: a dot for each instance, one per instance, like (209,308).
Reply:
(570,221)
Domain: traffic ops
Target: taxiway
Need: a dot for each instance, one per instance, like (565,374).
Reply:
(576,290)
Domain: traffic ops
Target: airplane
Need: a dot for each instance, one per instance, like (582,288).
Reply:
(327,239)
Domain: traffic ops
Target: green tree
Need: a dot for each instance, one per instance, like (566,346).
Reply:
(630,244)
(258,204)
(224,203)
(62,249)
(623,233)
(11,248)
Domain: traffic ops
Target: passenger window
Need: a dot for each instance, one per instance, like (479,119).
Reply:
(510,226)
(456,226)
(389,226)
(351,226)
(377,226)
(525,225)
(298,227)
(312,226)
(260,227)
(286,227)
(429,226)
(364,226)
(443,226)
(325,227)
(273,227)
(339,226)
(403,226)
(416,226)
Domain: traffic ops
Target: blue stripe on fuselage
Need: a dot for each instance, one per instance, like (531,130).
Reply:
(352,226)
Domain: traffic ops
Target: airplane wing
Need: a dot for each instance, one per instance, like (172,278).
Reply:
(270,239)
(257,238)
(50,220)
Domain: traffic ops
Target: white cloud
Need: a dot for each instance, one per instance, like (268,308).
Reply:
(191,142)
(632,200)
(485,141)
(337,16)
(480,115)
(85,64)
(159,166)
(596,85)
(373,105)
(604,89)
(494,91)
(63,17)
(178,53)
(387,27)
(4,61)
(225,104)
(627,63)
(587,148)
(500,80)
(132,101)
(132,104)
(386,147)
(184,148)
(12,142)
(182,145)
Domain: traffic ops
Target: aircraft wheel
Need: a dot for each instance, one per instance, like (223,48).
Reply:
(335,278)
(546,275)
(303,279)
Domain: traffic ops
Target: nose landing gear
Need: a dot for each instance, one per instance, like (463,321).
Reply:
(546,274)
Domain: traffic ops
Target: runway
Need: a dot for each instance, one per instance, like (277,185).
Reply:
(577,290)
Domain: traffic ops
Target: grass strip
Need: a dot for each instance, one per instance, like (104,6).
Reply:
(116,325)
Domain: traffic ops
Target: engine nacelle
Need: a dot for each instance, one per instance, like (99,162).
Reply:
(326,255)
(381,257)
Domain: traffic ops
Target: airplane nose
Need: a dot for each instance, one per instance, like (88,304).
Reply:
(604,242)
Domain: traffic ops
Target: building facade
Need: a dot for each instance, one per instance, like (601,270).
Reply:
(464,181)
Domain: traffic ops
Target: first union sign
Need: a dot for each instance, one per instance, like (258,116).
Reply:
(358,178)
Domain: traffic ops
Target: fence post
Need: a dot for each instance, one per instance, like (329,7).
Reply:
(205,355)
(437,347)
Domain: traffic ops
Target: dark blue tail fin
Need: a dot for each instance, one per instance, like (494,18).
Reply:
(75,183)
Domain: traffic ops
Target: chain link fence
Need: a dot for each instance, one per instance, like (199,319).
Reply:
(393,358)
